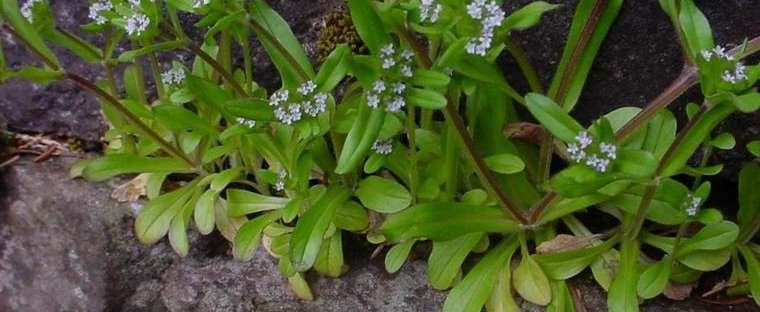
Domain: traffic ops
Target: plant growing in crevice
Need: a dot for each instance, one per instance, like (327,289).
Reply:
(296,168)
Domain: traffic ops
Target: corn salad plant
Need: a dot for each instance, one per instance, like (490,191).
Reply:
(423,142)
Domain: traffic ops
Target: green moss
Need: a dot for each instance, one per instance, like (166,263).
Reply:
(338,29)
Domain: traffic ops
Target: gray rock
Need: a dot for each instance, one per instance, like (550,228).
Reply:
(66,246)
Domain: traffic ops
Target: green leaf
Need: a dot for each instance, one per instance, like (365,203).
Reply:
(425,98)
(505,163)
(178,227)
(578,58)
(351,217)
(707,260)
(430,78)
(531,282)
(383,195)
(665,208)
(566,264)
(397,255)
(552,117)
(654,279)
(622,295)
(131,55)
(579,180)
(249,235)
(330,258)
(527,16)
(695,27)
(109,166)
(333,69)
(179,118)
(748,103)
(724,141)
(210,94)
(753,269)
(446,259)
(694,138)
(749,199)
(636,163)
(36,74)
(155,218)
(279,29)
(445,221)
(368,25)
(363,134)
(224,178)
(474,290)
(501,299)
(711,237)
(754,148)
(251,108)
(311,227)
(204,212)
(241,203)
(26,31)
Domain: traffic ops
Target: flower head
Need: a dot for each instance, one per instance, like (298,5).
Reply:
(306,101)
(430,10)
(490,16)
(197,4)
(581,152)
(281,176)
(173,76)
(382,147)
(26,9)
(307,87)
(246,122)
(97,9)
(692,204)
(137,24)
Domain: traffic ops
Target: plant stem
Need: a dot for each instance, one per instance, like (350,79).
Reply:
(411,137)
(89,86)
(217,67)
(529,72)
(452,116)
(260,30)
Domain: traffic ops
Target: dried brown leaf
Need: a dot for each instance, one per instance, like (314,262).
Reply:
(564,242)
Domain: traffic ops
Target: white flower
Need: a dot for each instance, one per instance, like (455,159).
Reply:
(97,9)
(576,153)
(692,205)
(583,139)
(173,76)
(706,54)
(137,24)
(387,50)
(288,114)
(383,147)
(278,97)
(740,72)
(407,55)
(307,87)
(721,52)
(490,16)
(406,71)
(373,100)
(378,86)
(610,150)
(598,163)
(280,185)
(430,10)
(26,9)
(246,122)
(396,105)
(317,106)
(197,4)
(134,3)
(728,77)
(399,88)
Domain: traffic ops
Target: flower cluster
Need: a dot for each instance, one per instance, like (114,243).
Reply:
(383,147)
(430,10)
(738,74)
(734,75)
(173,76)
(692,205)
(137,24)
(26,9)
(392,97)
(280,185)
(311,103)
(391,59)
(579,152)
(97,9)
(490,16)
(246,122)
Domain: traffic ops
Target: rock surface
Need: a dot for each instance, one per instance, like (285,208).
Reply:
(65,245)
